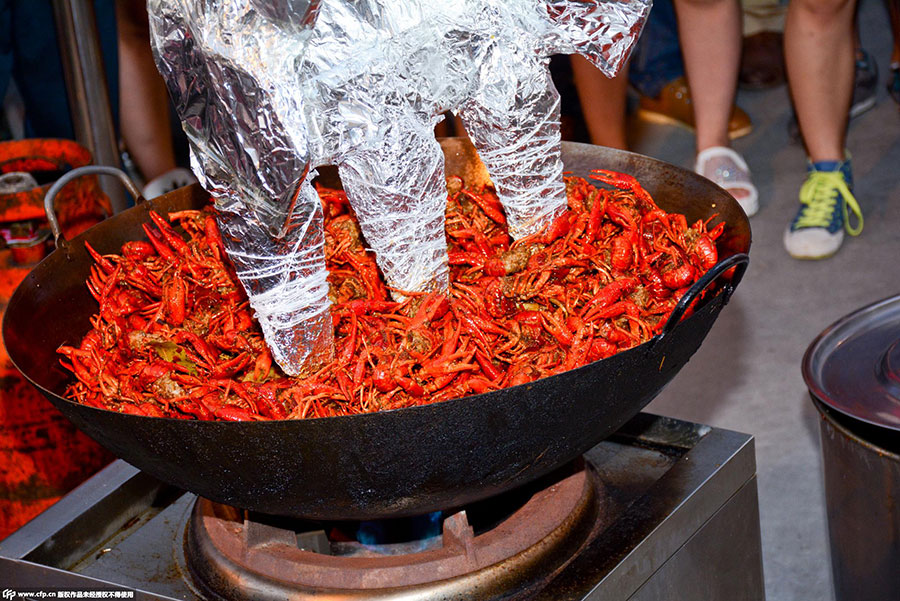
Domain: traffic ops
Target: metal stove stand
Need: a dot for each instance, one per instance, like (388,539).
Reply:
(685,526)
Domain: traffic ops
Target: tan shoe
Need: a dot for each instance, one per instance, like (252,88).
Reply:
(673,107)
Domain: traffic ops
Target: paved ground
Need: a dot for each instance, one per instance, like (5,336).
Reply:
(746,376)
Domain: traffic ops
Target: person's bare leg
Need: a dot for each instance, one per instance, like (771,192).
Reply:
(819,51)
(710,32)
(144,100)
(602,102)
(819,48)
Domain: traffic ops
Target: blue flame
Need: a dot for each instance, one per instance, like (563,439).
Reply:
(382,532)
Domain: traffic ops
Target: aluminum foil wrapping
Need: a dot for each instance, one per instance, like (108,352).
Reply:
(267,89)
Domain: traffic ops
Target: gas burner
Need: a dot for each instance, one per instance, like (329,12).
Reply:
(676,514)
(500,547)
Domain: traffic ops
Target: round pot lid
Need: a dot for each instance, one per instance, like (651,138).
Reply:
(854,365)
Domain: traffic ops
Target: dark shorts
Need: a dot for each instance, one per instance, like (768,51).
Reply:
(29,54)
(656,59)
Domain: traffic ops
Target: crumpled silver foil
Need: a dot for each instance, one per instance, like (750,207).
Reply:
(267,89)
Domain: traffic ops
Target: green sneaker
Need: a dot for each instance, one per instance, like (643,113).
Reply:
(817,230)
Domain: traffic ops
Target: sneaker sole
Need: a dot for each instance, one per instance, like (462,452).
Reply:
(858,109)
(663,119)
(811,258)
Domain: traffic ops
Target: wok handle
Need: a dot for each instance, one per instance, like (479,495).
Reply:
(738,261)
(76,173)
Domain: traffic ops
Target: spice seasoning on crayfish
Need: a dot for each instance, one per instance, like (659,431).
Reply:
(174,336)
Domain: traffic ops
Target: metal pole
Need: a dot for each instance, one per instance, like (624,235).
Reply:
(79,49)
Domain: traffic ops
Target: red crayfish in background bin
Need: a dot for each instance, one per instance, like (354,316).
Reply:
(43,454)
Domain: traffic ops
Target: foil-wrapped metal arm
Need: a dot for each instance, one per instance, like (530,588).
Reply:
(258,173)
(522,154)
(513,116)
(400,205)
(266,89)
(602,31)
(243,151)
(285,281)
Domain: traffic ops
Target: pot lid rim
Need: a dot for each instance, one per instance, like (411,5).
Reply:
(859,352)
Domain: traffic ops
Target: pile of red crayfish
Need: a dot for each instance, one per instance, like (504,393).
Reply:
(174,336)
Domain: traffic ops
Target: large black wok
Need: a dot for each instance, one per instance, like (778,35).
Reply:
(393,463)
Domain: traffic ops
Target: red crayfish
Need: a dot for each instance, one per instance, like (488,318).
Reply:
(174,335)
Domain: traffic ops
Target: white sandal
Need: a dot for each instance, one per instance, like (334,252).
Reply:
(725,167)
(168,181)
